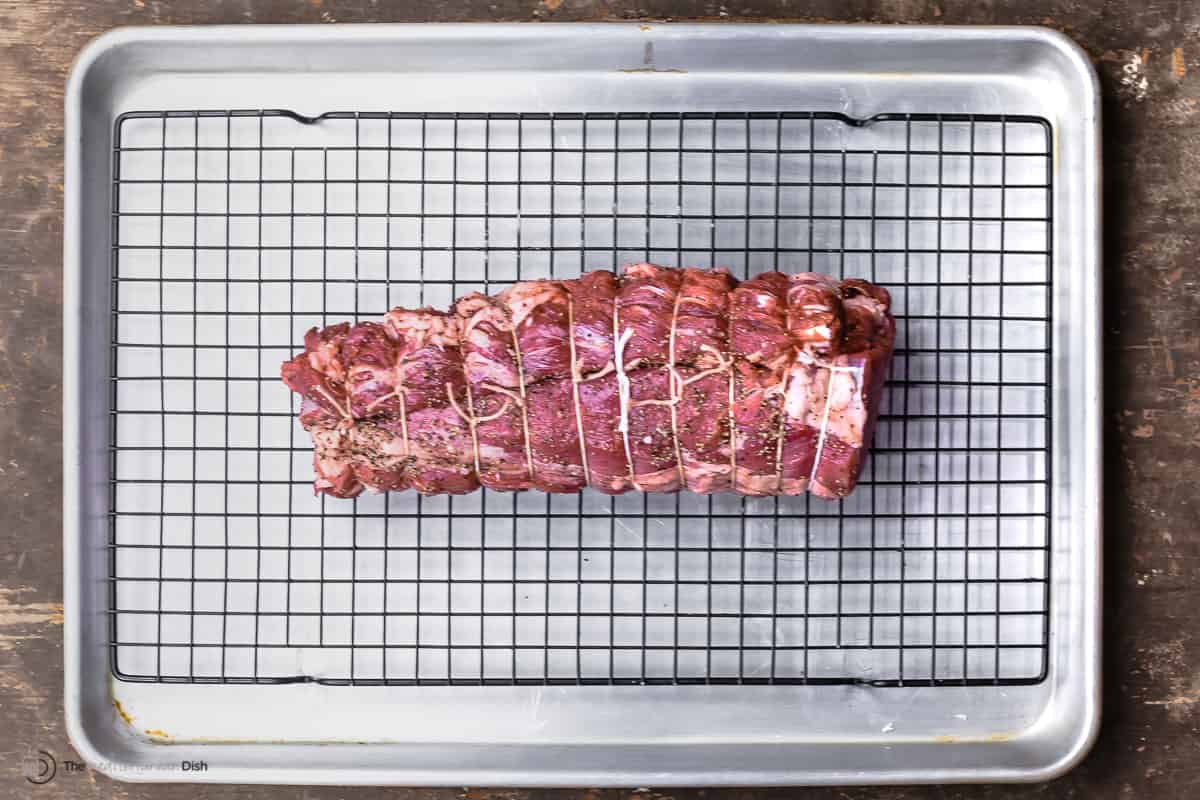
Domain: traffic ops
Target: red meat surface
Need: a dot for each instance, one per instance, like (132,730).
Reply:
(430,379)
(705,380)
(597,392)
(762,354)
(644,321)
(540,313)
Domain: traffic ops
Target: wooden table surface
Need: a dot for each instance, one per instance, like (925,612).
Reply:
(1148,56)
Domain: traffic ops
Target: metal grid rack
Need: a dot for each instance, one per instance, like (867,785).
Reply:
(233,232)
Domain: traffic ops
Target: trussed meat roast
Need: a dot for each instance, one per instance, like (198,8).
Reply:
(659,380)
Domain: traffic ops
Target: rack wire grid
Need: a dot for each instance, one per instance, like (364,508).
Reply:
(235,231)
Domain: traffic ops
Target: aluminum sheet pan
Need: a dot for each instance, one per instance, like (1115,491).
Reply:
(846,718)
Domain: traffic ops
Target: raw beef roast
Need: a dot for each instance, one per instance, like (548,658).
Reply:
(658,380)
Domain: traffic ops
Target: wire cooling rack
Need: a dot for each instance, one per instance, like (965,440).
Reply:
(234,232)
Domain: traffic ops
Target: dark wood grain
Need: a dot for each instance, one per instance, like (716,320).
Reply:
(1149,59)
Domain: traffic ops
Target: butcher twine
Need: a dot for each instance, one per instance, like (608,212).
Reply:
(510,397)
(623,388)
(470,419)
(398,393)
(676,385)
(576,378)
(782,432)
(512,328)
(833,370)
(732,426)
